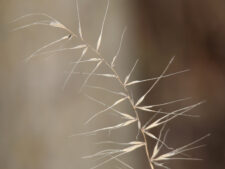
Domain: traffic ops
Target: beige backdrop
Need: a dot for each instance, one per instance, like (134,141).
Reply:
(37,116)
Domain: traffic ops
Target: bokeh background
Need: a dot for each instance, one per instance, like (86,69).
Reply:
(37,116)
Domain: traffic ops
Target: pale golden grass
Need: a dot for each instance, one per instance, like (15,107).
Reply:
(155,157)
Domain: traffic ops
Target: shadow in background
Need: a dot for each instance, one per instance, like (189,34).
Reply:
(194,31)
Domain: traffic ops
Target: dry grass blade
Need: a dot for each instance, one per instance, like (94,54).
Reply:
(95,74)
(32,14)
(104,153)
(117,143)
(123,115)
(171,116)
(170,155)
(143,97)
(79,23)
(128,76)
(149,121)
(167,103)
(124,124)
(143,108)
(160,165)
(125,164)
(162,112)
(74,67)
(61,50)
(89,76)
(155,78)
(107,90)
(45,46)
(41,22)
(108,108)
(124,151)
(54,23)
(57,25)
(157,139)
(158,147)
(88,60)
(150,110)
(118,51)
(103,23)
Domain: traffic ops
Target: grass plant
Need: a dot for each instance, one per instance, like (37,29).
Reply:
(154,154)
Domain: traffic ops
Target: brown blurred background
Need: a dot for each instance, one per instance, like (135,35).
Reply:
(36,116)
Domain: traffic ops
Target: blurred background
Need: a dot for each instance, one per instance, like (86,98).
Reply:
(37,116)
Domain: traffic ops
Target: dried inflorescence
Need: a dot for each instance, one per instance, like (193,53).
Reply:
(155,157)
